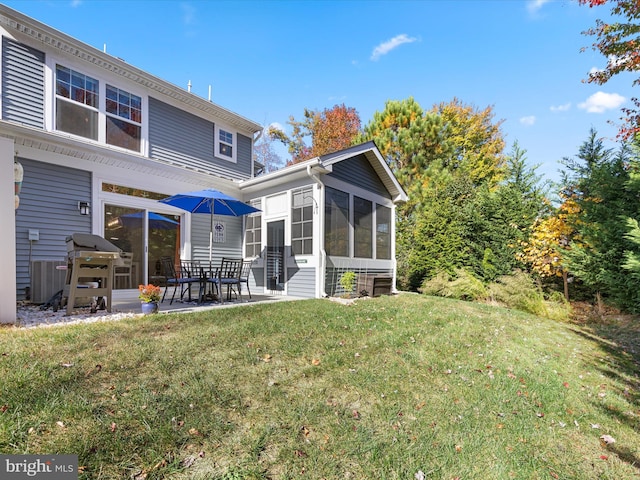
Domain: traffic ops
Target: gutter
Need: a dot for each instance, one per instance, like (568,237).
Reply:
(323,253)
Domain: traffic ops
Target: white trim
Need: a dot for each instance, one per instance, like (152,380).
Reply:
(234,144)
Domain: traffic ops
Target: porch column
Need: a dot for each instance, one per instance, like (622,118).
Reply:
(7,233)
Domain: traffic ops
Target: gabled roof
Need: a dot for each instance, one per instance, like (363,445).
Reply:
(324,164)
(56,40)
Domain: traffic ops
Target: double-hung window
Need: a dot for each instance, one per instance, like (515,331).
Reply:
(124,118)
(225,144)
(77,97)
(81,102)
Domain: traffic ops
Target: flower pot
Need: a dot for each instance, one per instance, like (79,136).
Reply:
(149,307)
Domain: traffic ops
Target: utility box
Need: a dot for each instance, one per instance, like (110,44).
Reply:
(47,279)
(374,285)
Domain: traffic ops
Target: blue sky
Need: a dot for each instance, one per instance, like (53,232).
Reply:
(267,60)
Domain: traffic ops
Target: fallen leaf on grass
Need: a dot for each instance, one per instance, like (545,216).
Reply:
(356,414)
(604,457)
(300,454)
(66,365)
(315,361)
(607,440)
(113,426)
(60,424)
(4,408)
(266,358)
(194,431)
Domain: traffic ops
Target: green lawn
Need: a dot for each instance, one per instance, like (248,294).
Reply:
(382,389)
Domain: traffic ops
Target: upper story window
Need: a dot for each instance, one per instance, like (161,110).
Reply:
(225,144)
(77,98)
(124,116)
(80,102)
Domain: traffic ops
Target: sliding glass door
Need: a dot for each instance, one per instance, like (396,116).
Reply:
(148,236)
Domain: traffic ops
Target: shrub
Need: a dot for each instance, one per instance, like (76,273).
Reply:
(463,286)
(519,291)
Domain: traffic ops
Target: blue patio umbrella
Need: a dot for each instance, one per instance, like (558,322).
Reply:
(212,202)
(156,221)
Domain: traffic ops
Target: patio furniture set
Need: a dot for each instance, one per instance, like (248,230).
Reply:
(231,274)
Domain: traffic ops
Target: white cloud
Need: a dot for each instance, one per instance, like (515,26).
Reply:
(389,45)
(535,5)
(528,121)
(600,101)
(560,108)
(76,3)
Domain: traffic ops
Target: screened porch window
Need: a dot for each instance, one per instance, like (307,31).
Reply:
(362,228)
(336,235)
(383,232)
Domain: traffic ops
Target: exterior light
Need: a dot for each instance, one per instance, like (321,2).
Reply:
(84,208)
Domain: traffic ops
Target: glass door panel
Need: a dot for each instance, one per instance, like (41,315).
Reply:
(275,256)
(124,227)
(164,241)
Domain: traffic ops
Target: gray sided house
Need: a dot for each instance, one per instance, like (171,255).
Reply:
(89,144)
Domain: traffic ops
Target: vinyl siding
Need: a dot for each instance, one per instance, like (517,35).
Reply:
(22,84)
(200,227)
(48,203)
(301,282)
(187,140)
(359,172)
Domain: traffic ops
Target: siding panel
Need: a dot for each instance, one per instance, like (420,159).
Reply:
(48,203)
(358,171)
(22,84)
(187,140)
(301,282)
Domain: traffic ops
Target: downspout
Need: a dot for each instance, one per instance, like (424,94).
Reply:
(253,149)
(323,253)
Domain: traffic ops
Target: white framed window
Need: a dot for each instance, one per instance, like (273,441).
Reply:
(77,97)
(253,232)
(302,221)
(124,118)
(225,144)
(97,110)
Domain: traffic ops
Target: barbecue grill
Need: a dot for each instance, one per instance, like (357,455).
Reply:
(90,262)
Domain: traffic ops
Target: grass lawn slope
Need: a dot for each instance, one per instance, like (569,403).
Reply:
(390,388)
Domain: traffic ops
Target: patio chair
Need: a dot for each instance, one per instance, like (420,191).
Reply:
(244,275)
(175,278)
(227,275)
(123,270)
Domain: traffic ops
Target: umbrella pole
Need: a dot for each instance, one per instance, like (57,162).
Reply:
(211,237)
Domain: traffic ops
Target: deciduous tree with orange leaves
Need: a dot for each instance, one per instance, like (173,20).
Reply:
(330,130)
(619,41)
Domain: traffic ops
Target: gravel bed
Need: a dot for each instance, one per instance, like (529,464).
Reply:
(30,316)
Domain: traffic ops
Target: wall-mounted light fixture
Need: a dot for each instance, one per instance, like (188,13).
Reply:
(84,208)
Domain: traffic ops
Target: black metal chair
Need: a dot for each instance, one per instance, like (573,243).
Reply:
(181,277)
(244,275)
(227,275)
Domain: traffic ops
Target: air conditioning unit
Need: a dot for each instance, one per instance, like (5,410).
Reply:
(46,279)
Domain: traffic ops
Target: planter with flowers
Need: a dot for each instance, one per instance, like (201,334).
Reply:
(150,296)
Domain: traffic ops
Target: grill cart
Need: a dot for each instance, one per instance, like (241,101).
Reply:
(90,262)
